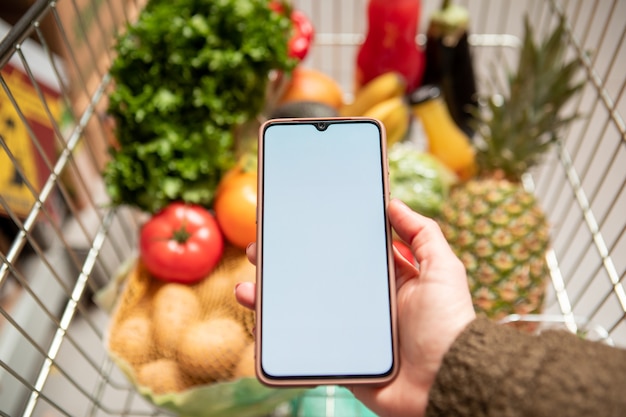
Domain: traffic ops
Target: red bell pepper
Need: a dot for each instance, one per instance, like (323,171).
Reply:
(389,43)
(303,32)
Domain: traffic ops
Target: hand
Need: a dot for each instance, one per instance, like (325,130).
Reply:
(434,306)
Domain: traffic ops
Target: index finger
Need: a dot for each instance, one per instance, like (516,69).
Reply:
(423,234)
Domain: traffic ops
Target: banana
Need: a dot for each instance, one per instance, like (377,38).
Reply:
(395,116)
(399,125)
(385,86)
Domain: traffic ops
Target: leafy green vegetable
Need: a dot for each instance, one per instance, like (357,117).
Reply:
(418,179)
(186,74)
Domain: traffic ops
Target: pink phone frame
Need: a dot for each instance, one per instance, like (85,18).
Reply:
(305,382)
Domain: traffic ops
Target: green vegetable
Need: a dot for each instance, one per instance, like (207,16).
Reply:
(186,74)
(418,179)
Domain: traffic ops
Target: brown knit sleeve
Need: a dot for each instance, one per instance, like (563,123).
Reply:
(492,370)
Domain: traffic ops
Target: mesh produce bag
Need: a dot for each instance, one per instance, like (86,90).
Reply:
(189,348)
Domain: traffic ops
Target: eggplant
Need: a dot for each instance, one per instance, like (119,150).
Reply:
(449,62)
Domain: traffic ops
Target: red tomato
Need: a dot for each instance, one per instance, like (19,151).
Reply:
(182,243)
(404,251)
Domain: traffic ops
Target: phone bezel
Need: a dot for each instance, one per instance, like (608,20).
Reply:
(304,381)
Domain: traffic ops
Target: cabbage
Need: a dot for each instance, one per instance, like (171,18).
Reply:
(418,179)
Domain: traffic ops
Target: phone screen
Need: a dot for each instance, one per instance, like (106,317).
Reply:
(324,253)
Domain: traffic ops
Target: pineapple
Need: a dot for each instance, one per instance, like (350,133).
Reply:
(494,225)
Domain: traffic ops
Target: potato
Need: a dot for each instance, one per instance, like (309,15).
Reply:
(162,376)
(174,308)
(209,350)
(245,367)
(131,339)
(217,291)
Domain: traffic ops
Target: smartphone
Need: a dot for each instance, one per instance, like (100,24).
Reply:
(326,309)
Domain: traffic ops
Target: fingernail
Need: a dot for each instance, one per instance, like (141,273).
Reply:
(237,286)
(401,203)
(249,246)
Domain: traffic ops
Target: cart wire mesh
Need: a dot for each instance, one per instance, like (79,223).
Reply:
(60,241)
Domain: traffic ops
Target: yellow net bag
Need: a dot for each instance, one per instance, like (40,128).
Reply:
(189,348)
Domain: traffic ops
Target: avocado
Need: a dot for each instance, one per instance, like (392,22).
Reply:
(296,109)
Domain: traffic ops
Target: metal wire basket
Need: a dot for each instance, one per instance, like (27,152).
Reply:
(60,241)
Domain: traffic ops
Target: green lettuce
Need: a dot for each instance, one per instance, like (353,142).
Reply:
(186,74)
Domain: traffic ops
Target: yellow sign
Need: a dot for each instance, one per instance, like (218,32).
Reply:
(22,170)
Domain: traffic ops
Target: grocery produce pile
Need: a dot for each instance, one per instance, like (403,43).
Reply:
(193,80)
(190,80)
(175,336)
(189,348)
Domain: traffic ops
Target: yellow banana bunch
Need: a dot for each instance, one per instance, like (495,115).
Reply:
(382,99)
(381,88)
(395,115)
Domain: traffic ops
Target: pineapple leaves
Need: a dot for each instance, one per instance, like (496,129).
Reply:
(517,129)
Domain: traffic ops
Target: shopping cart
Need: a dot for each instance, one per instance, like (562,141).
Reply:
(60,241)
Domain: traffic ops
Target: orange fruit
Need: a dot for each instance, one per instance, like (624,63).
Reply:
(235,208)
(308,84)
(246,163)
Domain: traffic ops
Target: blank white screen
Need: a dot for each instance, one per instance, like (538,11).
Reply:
(325,287)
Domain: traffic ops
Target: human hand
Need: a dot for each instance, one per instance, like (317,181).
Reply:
(434,306)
